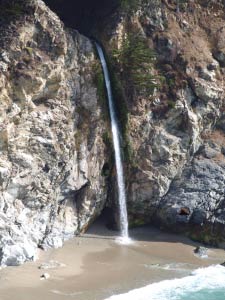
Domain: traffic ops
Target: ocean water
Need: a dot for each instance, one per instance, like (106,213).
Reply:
(201,284)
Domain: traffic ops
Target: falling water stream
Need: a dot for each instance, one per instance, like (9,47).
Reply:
(117,149)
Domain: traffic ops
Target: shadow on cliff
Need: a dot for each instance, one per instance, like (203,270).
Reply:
(148,233)
(83,15)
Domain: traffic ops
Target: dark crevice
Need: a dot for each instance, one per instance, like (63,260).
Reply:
(83,15)
(107,219)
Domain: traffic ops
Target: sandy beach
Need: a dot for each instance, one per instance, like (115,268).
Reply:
(94,266)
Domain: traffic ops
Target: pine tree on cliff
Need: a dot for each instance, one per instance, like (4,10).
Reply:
(135,59)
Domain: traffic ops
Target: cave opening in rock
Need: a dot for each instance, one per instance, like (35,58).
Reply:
(83,15)
(105,221)
(184,211)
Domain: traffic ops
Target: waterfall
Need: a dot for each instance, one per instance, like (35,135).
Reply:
(117,149)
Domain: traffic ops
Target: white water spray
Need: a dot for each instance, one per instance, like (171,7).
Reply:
(116,143)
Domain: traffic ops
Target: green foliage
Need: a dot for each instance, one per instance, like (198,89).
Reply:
(12,9)
(137,222)
(131,6)
(171,104)
(15,10)
(107,139)
(121,107)
(122,112)
(29,50)
(128,152)
(205,236)
(131,77)
(182,5)
(171,82)
(135,60)
(99,82)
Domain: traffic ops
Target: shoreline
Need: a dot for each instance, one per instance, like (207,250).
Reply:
(94,266)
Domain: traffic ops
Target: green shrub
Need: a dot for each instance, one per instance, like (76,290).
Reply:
(99,82)
(171,82)
(131,6)
(135,60)
(13,9)
(107,139)
(171,104)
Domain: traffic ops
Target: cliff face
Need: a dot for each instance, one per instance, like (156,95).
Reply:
(177,172)
(54,165)
(51,148)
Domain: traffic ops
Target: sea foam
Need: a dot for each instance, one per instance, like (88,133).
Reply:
(204,279)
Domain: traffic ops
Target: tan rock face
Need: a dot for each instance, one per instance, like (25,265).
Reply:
(167,130)
(51,148)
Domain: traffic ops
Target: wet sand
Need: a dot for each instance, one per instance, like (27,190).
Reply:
(97,267)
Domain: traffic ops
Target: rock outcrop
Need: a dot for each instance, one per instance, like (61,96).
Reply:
(51,128)
(55,163)
(176,175)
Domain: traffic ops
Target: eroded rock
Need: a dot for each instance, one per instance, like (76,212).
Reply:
(51,147)
(176,174)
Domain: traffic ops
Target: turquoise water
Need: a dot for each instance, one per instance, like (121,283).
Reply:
(206,294)
(202,284)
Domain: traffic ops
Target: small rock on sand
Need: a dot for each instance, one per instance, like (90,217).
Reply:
(45,276)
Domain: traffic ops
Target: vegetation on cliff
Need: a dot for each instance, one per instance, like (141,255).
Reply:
(13,9)
(135,59)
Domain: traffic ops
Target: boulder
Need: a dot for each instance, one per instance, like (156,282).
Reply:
(201,251)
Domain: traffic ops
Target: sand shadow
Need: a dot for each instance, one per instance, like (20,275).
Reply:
(146,233)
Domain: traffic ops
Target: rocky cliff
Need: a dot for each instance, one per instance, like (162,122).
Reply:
(56,169)
(51,147)
(176,173)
